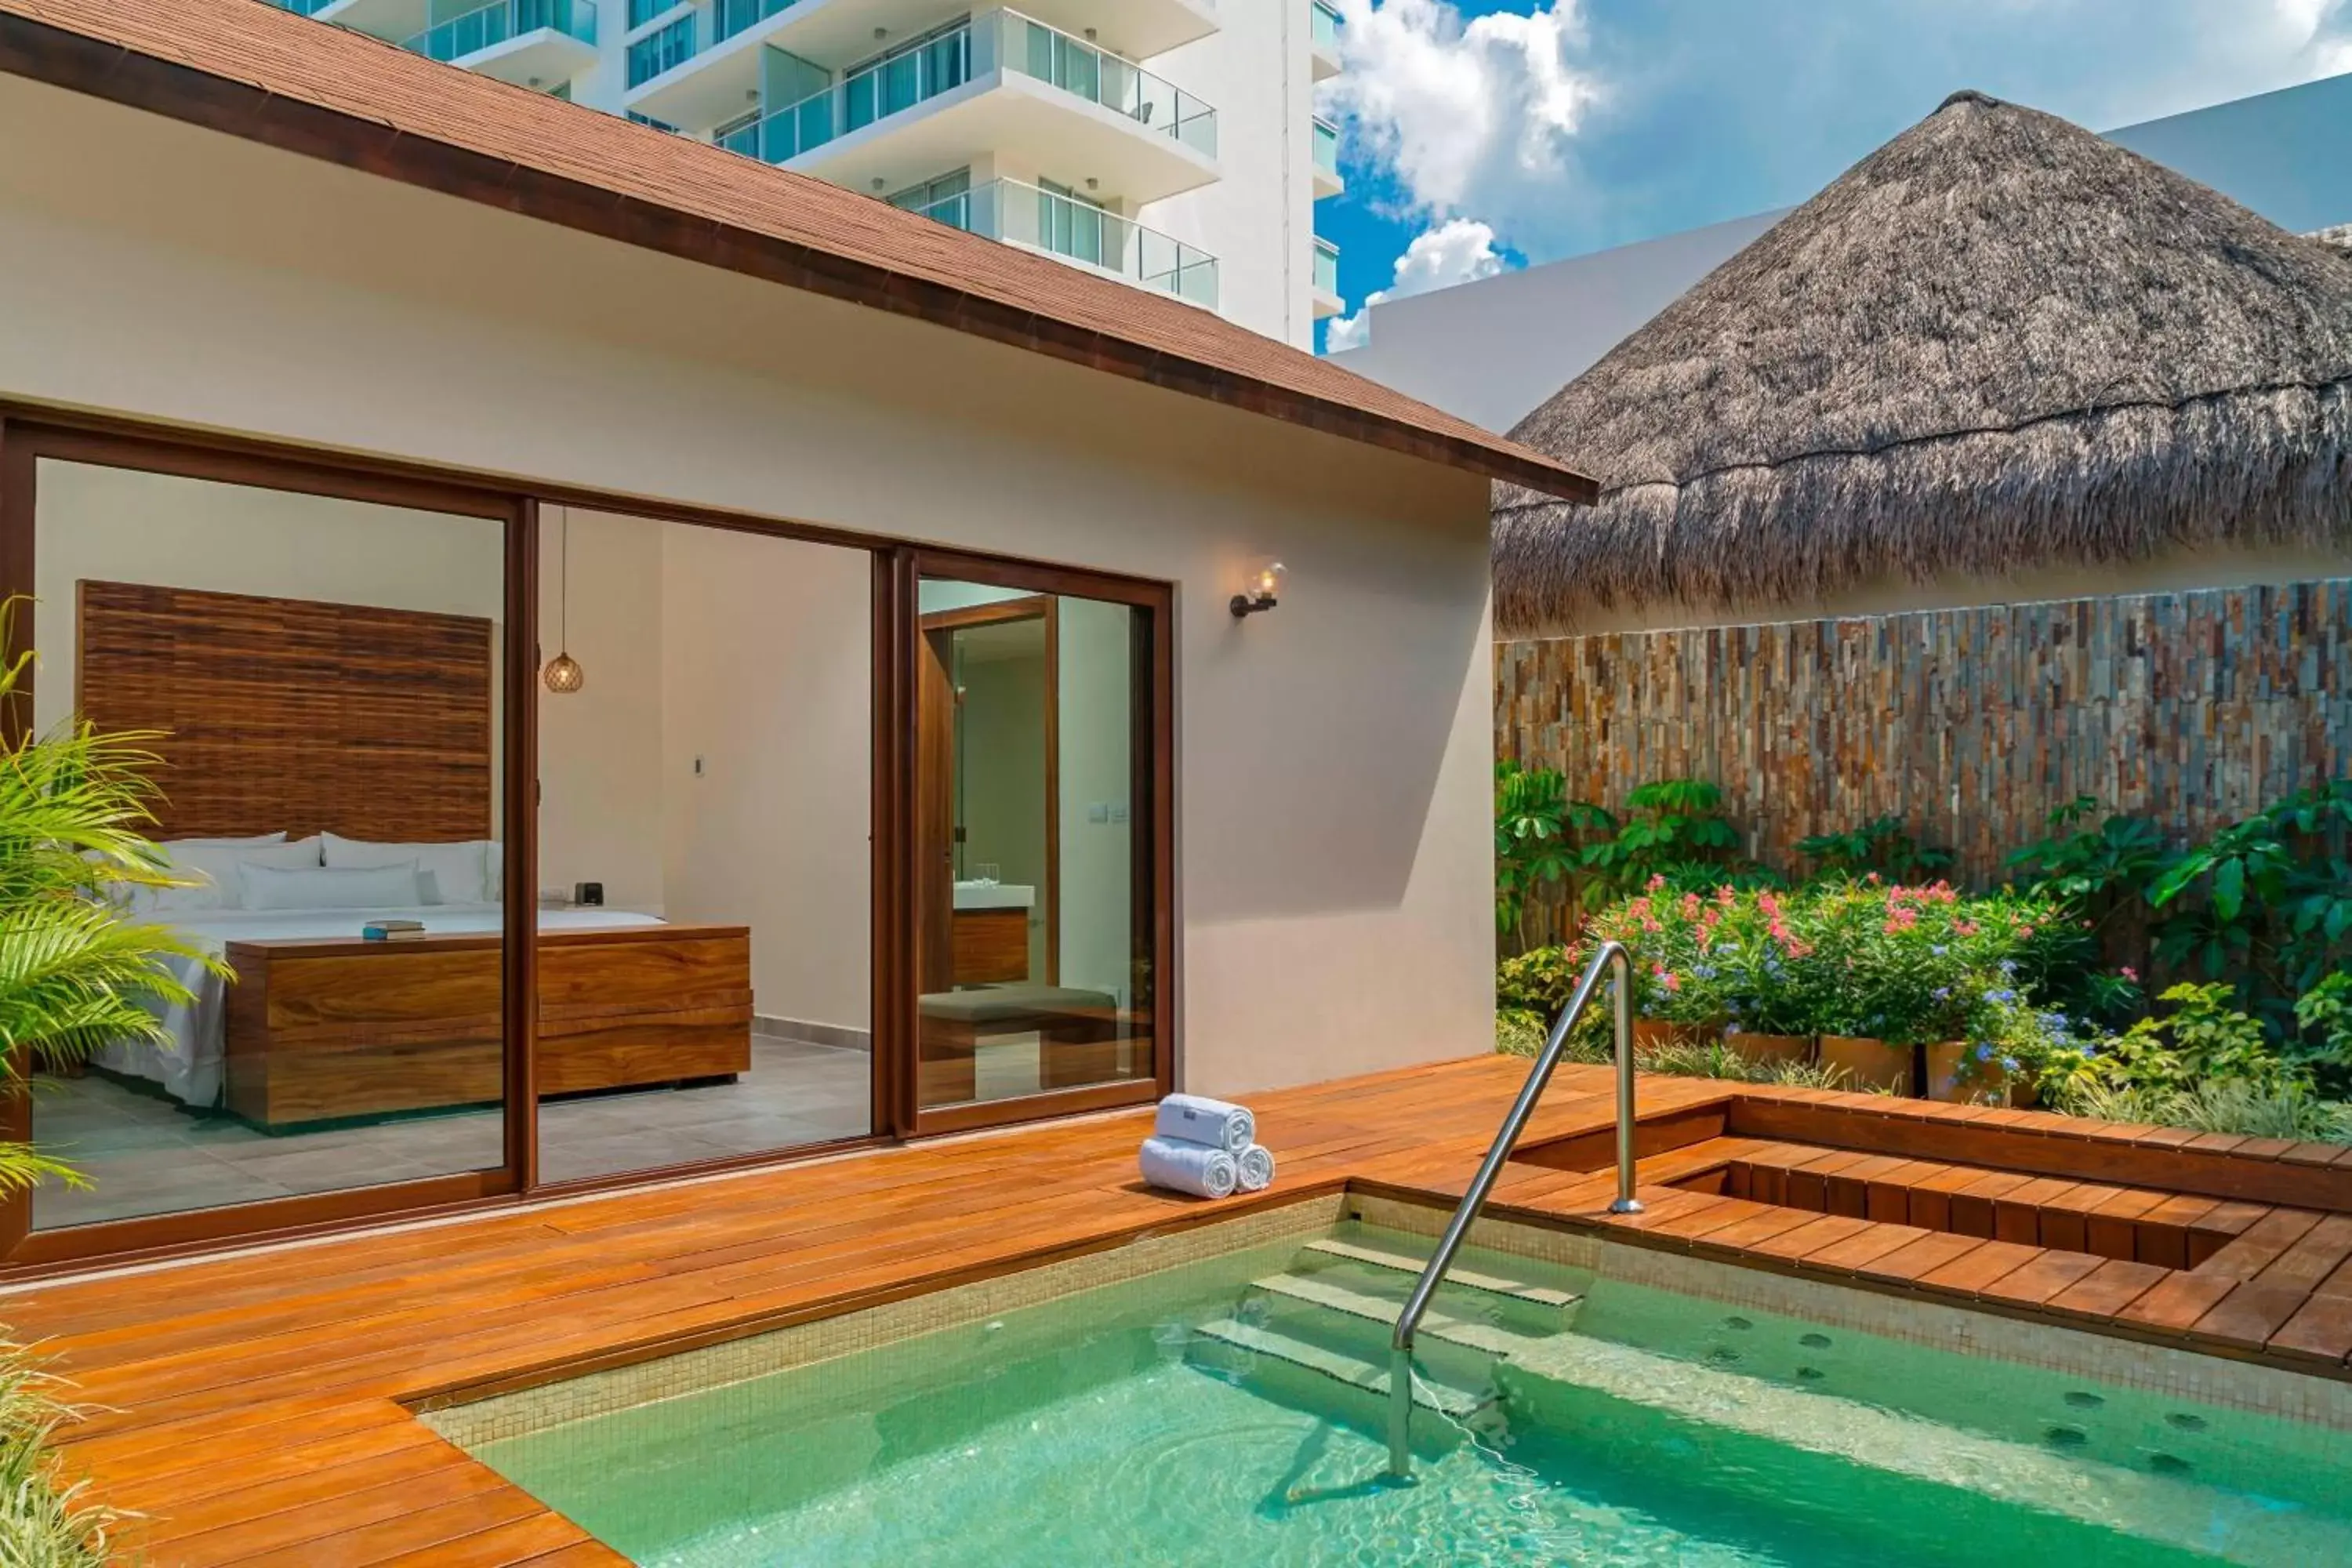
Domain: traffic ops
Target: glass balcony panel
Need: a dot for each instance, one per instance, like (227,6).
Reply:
(495,23)
(728,18)
(1327,147)
(949,61)
(664,50)
(1327,28)
(1097,76)
(1326,267)
(1062,225)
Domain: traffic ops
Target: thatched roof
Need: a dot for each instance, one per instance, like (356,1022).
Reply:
(1998,342)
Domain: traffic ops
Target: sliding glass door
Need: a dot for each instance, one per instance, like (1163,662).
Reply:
(507,846)
(309,675)
(706,807)
(1037,844)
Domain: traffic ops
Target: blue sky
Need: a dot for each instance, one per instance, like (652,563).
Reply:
(1479,134)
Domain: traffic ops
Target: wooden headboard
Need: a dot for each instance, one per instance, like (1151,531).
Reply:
(294,714)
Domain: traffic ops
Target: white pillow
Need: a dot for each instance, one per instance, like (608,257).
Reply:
(326,888)
(456,873)
(212,864)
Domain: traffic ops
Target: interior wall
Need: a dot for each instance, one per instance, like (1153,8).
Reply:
(600,748)
(1004,782)
(127,525)
(767,685)
(1096,737)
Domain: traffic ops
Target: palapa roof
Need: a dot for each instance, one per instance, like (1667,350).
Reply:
(1998,342)
(259,72)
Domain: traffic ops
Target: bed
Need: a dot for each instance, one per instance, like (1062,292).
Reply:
(326,766)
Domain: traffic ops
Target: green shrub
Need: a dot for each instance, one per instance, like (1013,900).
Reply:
(1884,846)
(1908,964)
(2246,1110)
(43,1523)
(1540,981)
(1519,1032)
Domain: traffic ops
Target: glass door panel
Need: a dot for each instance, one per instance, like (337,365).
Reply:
(1032,845)
(706,797)
(320,682)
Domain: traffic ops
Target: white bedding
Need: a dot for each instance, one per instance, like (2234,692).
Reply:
(189,1068)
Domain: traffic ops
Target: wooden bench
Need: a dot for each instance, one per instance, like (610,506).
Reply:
(1078,1035)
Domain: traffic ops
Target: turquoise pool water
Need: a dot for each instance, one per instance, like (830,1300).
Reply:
(1201,1416)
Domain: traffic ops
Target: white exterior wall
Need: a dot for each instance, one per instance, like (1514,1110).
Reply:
(1334,873)
(1258,219)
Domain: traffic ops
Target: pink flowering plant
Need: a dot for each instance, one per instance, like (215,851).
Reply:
(1905,964)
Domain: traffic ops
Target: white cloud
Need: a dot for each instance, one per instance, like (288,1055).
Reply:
(1568,125)
(2322,30)
(1466,116)
(1458,250)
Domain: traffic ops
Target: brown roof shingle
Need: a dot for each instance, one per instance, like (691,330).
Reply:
(249,69)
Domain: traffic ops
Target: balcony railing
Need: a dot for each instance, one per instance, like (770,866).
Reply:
(1327,147)
(995,40)
(494,23)
(303,7)
(1326,36)
(1020,214)
(1326,266)
(728,18)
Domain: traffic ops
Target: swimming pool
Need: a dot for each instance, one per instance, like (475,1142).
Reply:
(1228,1410)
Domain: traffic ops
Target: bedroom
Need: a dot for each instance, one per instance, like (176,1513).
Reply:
(326,678)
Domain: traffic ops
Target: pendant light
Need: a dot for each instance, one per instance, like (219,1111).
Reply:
(563,672)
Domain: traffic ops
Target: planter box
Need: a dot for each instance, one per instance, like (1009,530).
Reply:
(1654,1034)
(1868,1064)
(1946,1080)
(1771,1050)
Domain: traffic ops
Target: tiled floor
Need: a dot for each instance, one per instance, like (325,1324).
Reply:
(144,1155)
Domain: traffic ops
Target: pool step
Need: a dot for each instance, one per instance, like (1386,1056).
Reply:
(1452,1403)
(1468,1279)
(1436,1325)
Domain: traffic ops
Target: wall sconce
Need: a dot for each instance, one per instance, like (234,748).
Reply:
(1261,590)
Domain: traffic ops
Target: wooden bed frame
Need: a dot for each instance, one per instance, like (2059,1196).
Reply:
(327,1028)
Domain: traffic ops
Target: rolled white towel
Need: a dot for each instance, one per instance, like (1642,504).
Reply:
(1199,1120)
(1255,1166)
(1182,1167)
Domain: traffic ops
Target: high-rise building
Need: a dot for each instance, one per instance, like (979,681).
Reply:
(1171,143)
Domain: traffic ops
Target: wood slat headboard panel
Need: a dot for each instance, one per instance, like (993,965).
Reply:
(294,714)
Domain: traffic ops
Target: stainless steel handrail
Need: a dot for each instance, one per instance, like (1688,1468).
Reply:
(1612,955)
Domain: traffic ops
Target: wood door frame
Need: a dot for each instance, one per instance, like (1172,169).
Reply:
(1045,607)
(23,443)
(30,432)
(1152,787)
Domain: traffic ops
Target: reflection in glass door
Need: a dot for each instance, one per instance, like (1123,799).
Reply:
(705,943)
(1033,844)
(319,682)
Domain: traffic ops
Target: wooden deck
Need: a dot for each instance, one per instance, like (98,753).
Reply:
(259,1406)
